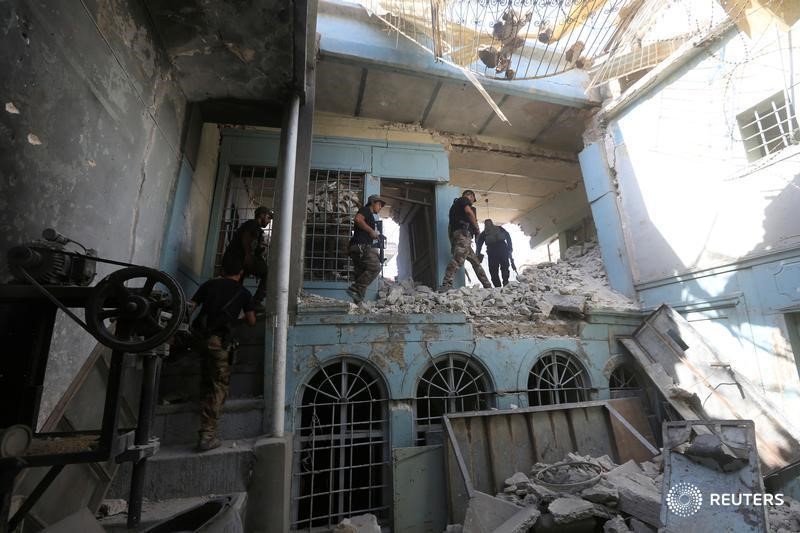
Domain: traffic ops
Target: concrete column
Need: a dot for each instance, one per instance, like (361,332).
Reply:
(602,196)
(283,248)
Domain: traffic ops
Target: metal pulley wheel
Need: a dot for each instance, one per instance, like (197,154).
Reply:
(135,317)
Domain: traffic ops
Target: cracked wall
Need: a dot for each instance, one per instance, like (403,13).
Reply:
(91,135)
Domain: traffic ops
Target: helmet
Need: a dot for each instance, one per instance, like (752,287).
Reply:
(376,198)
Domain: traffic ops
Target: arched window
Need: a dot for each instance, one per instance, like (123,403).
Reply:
(557,377)
(452,383)
(624,382)
(341,465)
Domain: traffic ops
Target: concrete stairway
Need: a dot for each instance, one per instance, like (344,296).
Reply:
(179,477)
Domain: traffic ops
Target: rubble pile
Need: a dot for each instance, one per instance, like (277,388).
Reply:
(568,288)
(617,498)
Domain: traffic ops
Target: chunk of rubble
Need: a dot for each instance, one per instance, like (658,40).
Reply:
(365,523)
(453,528)
(601,493)
(570,509)
(637,526)
(517,478)
(638,494)
(784,517)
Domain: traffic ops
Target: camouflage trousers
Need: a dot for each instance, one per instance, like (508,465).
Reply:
(366,266)
(216,379)
(461,248)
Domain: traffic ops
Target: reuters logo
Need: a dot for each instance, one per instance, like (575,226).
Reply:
(684,499)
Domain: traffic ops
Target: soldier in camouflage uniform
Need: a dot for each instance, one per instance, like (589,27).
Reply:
(463,226)
(221,300)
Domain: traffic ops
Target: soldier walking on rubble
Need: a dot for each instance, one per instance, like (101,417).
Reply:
(498,248)
(221,300)
(463,226)
(249,246)
(364,248)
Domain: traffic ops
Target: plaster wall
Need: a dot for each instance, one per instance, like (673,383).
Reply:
(684,219)
(690,199)
(400,348)
(91,141)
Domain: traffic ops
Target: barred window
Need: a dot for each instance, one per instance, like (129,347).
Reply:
(247,188)
(334,197)
(452,383)
(769,126)
(557,377)
(341,458)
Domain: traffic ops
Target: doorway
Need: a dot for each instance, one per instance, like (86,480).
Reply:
(412,210)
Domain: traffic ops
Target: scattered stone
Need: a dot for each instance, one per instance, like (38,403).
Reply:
(111,508)
(520,522)
(784,517)
(517,478)
(616,525)
(542,494)
(365,523)
(650,469)
(568,510)
(638,494)
(601,493)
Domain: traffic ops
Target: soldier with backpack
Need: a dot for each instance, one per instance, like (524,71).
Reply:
(498,248)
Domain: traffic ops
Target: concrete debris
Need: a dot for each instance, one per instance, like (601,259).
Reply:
(709,450)
(616,525)
(520,522)
(517,478)
(486,513)
(453,528)
(568,510)
(630,491)
(784,517)
(365,523)
(112,507)
(601,493)
(639,495)
(543,293)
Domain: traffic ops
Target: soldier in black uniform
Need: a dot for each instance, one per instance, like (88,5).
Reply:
(249,246)
(221,300)
(363,251)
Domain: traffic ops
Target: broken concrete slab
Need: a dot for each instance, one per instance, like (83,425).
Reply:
(486,513)
(568,510)
(566,304)
(520,522)
(710,451)
(638,494)
(365,523)
(601,493)
(637,526)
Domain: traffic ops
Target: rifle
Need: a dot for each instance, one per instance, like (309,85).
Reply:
(513,266)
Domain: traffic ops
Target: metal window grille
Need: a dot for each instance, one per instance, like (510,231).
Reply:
(452,384)
(248,187)
(342,450)
(557,377)
(768,127)
(624,382)
(334,197)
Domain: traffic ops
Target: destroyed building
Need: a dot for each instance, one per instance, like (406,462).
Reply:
(650,149)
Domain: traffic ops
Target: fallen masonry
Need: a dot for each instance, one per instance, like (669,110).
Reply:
(542,301)
(624,498)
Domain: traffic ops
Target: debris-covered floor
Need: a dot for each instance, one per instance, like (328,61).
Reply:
(544,300)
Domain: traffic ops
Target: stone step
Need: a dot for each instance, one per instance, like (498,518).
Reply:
(154,512)
(178,423)
(178,471)
(181,376)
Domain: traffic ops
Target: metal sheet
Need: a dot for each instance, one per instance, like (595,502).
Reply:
(420,503)
(681,474)
(490,446)
(674,354)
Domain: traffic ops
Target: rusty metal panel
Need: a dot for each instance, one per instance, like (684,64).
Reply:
(700,384)
(490,446)
(688,484)
(420,504)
